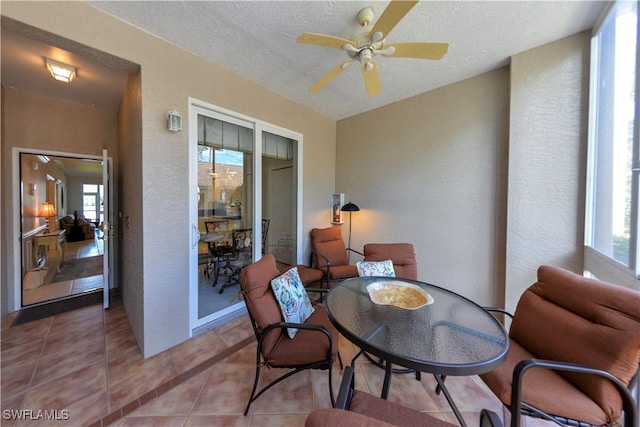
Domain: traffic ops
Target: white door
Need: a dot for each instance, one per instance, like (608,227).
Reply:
(107,231)
(226,183)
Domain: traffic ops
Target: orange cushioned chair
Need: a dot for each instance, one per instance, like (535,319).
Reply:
(314,346)
(329,254)
(578,341)
(402,255)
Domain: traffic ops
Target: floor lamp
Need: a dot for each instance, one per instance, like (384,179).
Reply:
(350,207)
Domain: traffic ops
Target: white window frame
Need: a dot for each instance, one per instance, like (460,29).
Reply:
(595,262)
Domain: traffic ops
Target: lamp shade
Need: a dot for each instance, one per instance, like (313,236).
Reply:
(47,210)
(350,207)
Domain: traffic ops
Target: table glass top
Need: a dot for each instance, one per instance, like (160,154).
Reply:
(452,335)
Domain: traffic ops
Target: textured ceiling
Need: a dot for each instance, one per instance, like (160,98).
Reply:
(257,39)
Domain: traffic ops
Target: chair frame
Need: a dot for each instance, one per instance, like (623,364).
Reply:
(347,390)
(236,250)
(313,263)
(519,408)
(326,363)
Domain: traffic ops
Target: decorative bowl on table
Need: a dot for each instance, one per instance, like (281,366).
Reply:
(398,294)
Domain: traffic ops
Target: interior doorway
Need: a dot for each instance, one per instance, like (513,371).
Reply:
(61,245)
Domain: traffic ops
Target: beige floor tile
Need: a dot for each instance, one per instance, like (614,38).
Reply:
(279,420)
(20,354)
(291,396)
(26,332)
(178,401)
(141,379)
(226,390)
(77,385)
(130,364)
(218,421)
(167,421)
(47,292)
(196,350)
(16,379)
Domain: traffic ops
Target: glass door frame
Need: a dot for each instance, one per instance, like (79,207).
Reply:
(197,107)
(15,293)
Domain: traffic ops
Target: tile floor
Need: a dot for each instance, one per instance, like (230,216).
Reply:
(85,365)
(54,290)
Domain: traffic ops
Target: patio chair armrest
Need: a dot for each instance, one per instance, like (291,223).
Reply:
(345,393)
(628,404)
(357,252)
(490,419)
(314,262)
(498,310)
(307,326)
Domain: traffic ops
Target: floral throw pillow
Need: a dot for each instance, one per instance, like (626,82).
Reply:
(292,298)
(376,268)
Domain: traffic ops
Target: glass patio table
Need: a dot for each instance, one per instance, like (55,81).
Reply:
(450,336)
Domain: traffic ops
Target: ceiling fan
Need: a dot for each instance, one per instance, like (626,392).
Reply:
(367,42)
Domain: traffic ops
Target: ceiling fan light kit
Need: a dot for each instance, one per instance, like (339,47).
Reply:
(367,42)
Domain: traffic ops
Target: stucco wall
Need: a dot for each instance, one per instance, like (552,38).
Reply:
(129,190)
(168,77)
(431,170)
(547,158)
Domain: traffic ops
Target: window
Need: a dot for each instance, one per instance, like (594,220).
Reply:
(92,207)
(612,191)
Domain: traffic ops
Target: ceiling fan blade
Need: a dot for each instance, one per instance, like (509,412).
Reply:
(418,50)
(371,79)
(396,10)
(328,77)
(323,40)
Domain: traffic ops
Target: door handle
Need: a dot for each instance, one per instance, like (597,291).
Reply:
(195,236)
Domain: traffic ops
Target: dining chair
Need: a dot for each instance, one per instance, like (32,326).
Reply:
(358,408)
(330,255)
(241,255)
(580,338)
(219,249)
(265,232)
(314,345)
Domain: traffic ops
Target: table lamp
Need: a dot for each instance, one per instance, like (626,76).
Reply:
(350,207)
(47,211)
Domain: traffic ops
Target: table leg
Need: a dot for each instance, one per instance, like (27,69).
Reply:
(387,380)
(58,253)
(443,388)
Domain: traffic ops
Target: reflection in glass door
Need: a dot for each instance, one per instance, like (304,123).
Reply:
(245,202)
(225,211)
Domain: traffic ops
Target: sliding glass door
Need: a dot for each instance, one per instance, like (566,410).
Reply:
(244,204)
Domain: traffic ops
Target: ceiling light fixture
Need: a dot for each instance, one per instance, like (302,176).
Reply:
(59,71)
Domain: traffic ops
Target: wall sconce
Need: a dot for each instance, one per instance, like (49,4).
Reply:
(31,188)
(59,71)
(174,121)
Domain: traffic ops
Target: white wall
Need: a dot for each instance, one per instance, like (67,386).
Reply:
(547,161)
(431,170)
